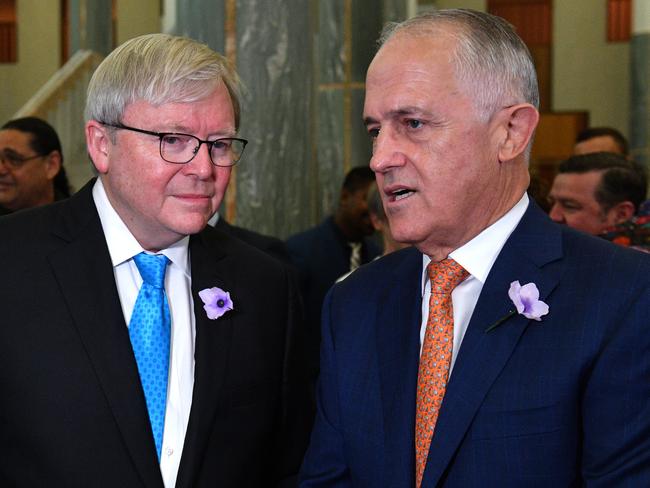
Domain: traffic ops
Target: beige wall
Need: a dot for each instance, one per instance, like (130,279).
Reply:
(39,45)
(137,18)
(39,53)
(588,72)
(473,4)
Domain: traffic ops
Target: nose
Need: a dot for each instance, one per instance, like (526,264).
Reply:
(201,165)
(556,214)
(387,152)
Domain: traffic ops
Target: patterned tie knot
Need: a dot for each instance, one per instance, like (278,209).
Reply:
(445,275)
(152,268)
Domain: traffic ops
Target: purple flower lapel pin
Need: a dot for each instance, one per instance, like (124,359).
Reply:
(216,302)
(526,301)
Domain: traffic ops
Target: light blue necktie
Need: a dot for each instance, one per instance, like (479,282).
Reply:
(149,331)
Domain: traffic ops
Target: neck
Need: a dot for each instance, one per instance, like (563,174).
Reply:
(350,233)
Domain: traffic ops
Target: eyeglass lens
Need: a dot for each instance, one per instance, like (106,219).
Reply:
(15,160)
(181,148)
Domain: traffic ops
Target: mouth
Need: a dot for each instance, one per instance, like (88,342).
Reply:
(194,198)
(193,195)
(399,193)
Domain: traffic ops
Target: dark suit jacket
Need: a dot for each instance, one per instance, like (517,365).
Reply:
(321,256)
(561,402)
(72,410)
(272,246)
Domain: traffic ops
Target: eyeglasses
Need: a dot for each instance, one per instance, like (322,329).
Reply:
(180,148)
(14,160)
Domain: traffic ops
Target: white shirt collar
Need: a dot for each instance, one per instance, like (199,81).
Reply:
(479,254)
(122,246)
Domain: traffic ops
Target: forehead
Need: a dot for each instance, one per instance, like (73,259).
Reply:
(14,139)
(213,113)
(597,144)
(569,185)
(412,70)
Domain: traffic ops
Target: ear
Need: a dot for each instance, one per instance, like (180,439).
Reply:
(376,222)
(98,145)
(345,196)
(621,212)
(518,123)
(52,165)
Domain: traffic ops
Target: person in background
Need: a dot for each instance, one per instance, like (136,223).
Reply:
(595,191)
(142,347)
(381,225)
(31,165)
(339,244)
(502,349)
(601,139)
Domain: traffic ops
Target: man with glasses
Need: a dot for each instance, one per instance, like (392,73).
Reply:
(140,347)
(31,165)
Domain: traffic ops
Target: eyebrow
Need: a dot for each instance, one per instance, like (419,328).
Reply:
(182,129)
(400,112)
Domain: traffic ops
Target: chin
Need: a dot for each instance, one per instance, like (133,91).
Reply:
(190,224)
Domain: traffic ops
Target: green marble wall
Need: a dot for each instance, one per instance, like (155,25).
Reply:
(303,63)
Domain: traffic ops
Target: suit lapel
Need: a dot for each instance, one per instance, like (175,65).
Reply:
(531,254)
(212,344)
(84,272)
(398,338)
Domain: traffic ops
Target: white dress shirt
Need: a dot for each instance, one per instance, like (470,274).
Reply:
(122,247)
(477,257)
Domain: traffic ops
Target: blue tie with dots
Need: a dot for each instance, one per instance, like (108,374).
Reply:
(149,331)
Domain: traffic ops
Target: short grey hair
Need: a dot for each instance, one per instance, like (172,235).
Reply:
(490,58)
(158,69)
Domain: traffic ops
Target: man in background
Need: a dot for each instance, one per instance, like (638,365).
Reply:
(601,139)
(502,350)
(140,346)
(341,243)
(381,225)
(595,191)
(31,165)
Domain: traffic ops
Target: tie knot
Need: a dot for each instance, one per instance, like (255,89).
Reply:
(355,255)
(152,268)
(445,275)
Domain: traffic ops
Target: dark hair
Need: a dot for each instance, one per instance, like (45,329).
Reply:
(593,132)
(44,140)
(622,179)
(357,178)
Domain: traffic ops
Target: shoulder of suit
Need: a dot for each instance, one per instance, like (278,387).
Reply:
(236,248)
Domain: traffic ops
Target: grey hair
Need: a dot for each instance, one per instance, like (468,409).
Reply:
(490,58)
(158,69)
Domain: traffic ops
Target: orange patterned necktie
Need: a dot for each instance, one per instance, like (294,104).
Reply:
(436,356)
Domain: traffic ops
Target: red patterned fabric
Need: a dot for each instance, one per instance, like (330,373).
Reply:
(435,359)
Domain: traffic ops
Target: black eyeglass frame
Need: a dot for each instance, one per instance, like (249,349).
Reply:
(17,162)
(161,135)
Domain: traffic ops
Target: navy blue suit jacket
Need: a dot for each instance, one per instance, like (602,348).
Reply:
(561,402)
